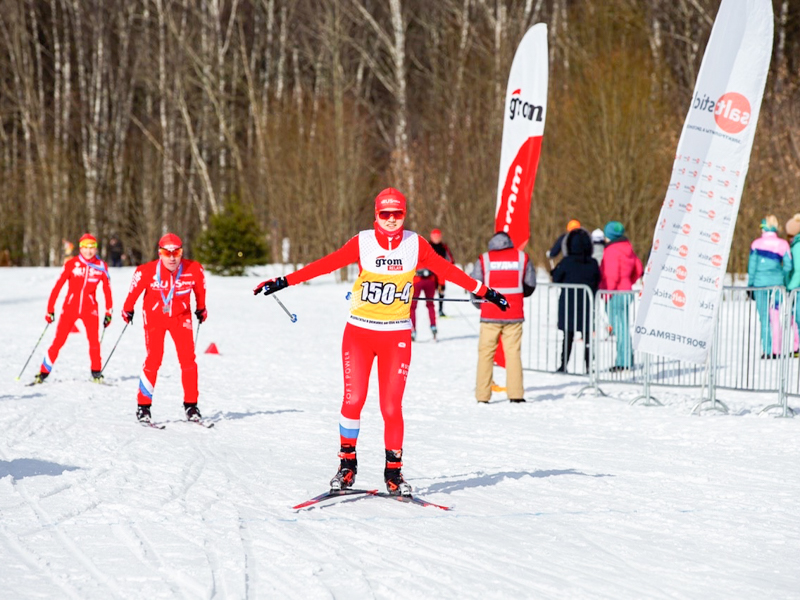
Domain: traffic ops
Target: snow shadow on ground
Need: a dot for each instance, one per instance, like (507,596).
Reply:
(233,416)
(488,479)
(25,397)
(20,468)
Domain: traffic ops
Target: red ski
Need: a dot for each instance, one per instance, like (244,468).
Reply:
(333,494)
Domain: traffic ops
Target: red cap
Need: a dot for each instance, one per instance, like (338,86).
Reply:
(87,237)
(390,199)
(170,241)
(436,232)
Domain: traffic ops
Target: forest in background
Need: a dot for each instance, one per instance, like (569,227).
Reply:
(135,117)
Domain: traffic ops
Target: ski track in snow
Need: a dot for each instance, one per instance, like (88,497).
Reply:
(561,497)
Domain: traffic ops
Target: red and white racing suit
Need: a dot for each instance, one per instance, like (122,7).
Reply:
(166,307)
(82,278)
(379,324)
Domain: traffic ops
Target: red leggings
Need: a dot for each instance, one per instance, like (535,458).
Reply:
(424,286)
(359,348)
(65,323)
(180,328)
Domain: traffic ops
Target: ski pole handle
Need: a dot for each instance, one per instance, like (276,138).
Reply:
(292,316)
(114,348)
(39,341)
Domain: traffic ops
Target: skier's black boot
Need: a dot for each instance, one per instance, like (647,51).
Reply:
(143,413)
(40,377)
(192,412)
(348,467)
(97,376)
(395,484)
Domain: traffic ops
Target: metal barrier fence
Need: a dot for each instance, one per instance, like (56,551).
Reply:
(755,343)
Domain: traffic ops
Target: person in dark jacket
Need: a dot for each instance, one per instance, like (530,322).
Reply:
(577,267)
(558,245)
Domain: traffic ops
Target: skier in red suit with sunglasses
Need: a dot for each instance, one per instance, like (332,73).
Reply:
(379,326)
(82,274)
(166,307)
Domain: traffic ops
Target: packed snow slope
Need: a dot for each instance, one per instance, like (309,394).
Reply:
(560,497)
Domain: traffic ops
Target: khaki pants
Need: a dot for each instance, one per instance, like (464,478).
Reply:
(487,344)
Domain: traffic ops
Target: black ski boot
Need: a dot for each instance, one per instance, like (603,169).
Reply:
(348,467)
(395,484)
(97,376)
(143,413)
(40,377)
(192,412)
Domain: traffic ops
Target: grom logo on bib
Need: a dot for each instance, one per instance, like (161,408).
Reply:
(392,264)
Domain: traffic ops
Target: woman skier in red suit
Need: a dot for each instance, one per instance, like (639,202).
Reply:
(380,325)
(82,274)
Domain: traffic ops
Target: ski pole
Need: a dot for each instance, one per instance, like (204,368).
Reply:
(423,299)
(114,348)
(292,316)
(32,351)
(197,334)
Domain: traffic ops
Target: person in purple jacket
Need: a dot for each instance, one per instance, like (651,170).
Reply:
(770,265)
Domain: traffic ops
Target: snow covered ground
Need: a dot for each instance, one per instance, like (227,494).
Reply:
(561,497)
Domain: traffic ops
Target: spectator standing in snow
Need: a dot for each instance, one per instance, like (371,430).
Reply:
(444,251)
(598,245)
(167,284)
(379,326)
(769,265)
(558,245)
(82,274)
(620,269)
(577,267)
(509,271)
(115,251)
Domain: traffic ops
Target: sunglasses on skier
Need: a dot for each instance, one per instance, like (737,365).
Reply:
(385,215)
(177,253)
(88,244)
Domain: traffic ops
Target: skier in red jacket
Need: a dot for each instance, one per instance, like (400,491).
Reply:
(82,274)
(380,326)
(167,283)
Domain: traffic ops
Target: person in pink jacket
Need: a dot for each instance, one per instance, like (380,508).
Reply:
(619,270)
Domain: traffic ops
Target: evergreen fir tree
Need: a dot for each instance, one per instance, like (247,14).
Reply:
(232,242)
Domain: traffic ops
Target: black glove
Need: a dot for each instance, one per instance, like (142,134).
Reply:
(497,299)
(201,314)
(127,316)
(270,286)
(107,320)
(750,295)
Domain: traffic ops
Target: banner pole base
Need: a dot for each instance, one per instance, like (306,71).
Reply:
(788,411)
(717,405)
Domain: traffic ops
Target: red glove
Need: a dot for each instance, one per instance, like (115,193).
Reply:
(50,317)
(201,314)
(107,319)
(127,316)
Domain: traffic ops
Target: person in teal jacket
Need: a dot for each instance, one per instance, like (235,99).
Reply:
(793,231)
(770,265)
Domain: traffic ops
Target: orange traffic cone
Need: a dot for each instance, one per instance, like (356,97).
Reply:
(212,349)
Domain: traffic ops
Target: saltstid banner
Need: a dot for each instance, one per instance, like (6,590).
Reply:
(523,128)
(684,276)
